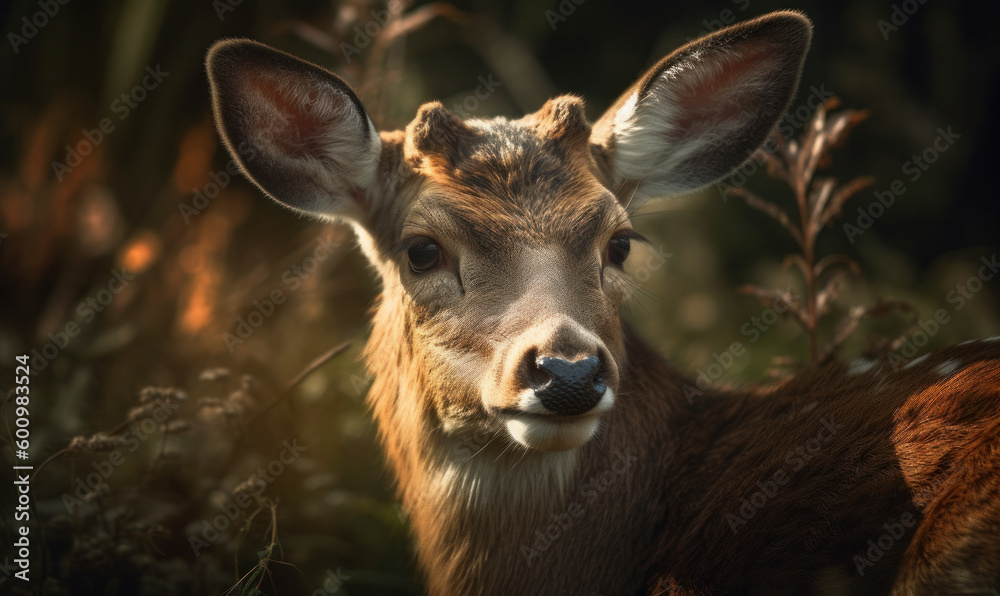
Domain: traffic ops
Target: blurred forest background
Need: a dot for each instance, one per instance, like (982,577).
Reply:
(82,209)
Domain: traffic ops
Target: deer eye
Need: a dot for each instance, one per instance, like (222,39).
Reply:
(618,249)
(424,255)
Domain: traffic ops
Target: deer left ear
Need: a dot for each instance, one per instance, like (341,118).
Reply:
(699,113)
(298,131)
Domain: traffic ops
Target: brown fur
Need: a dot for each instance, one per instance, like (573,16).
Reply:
(663,525)
(846,479)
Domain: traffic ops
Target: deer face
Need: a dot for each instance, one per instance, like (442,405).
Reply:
(503,244)
(509,252)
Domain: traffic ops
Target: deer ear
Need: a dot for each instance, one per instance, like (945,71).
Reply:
(297,131)
(699,113)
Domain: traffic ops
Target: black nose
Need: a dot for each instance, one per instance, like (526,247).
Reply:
(574,387)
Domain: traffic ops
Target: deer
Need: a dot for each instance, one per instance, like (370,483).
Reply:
(539,446)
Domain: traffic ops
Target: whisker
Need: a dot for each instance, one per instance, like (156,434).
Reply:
(519,460)
(509,445)
(484,446)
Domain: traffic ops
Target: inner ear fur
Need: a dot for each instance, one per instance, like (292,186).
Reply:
(298,131)
(700,112)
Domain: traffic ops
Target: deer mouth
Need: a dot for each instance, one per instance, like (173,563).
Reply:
(551,418)
(531,426)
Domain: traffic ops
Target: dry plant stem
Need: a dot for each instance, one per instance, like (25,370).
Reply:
(308,370)
(809,252)
(801,172)
(47,460)
(315,364)
(102,515)
(113,432)
(819,201)
(274,541)
(379,72)
(261,566)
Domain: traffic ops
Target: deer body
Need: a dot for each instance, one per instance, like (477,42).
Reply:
(539,446)
(667,519)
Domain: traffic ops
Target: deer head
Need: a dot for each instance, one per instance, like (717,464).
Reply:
(502,244)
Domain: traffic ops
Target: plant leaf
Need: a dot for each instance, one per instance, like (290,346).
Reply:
(797,260)
(784,151)
(830,291)
(854,317)
(841,195)
(841,124)
(831,260)
(768,208)
(821,191)
(794,308)
(843,330)
(775,162)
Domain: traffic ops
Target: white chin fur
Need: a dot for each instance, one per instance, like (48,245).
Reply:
(534,433)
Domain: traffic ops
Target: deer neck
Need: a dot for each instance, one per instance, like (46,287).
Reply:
(472,496)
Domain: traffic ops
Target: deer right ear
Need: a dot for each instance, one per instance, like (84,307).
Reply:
(699,113)
(298,131)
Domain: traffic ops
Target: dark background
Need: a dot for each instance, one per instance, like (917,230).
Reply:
(196,279)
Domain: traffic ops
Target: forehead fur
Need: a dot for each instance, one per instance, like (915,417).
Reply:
(499,178)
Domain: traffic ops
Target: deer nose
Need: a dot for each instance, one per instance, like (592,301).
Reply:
(573,386)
